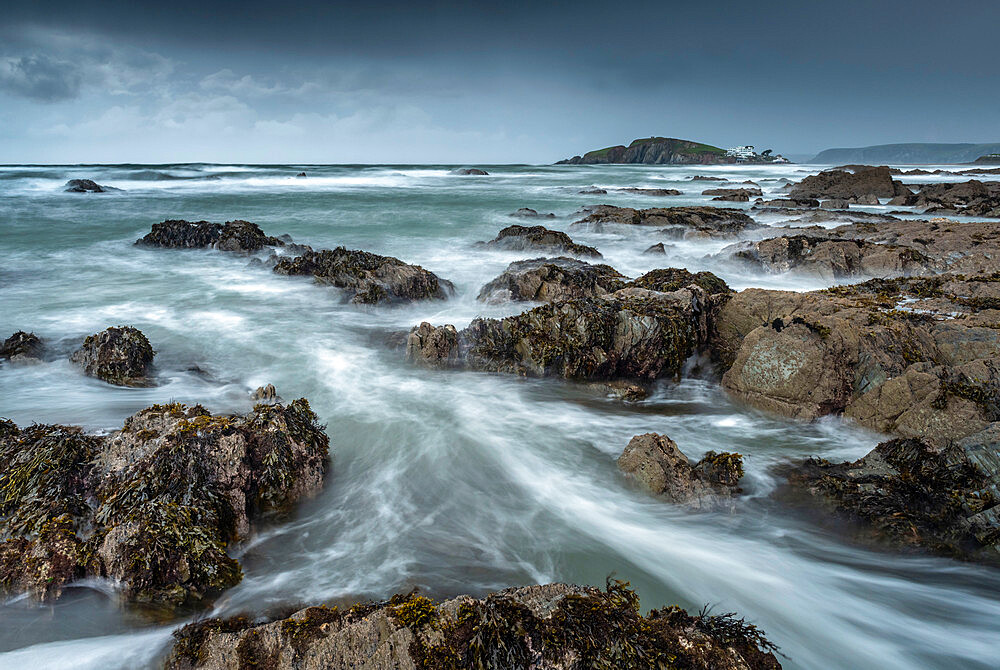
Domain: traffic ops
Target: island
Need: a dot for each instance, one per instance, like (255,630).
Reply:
(672,151)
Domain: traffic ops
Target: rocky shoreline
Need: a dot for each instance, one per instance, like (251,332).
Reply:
(157,506)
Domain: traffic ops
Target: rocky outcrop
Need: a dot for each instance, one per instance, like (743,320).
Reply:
(655,151)
(539,238)
(655,462)
(970,198)
(22,347)
(830,258)
(552,280)
(785,203)
(528,213)
(650,191)
(153,506)
(367,278)
(86,186)
(854,183)
(909,494)
(678,222)
(120,355)
(239,236)
(470,172)
(743,194)
(633,333)
(550,627)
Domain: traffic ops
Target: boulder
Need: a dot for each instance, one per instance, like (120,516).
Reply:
(120,355)
(22,347)
(912,495)
(239,236)
(86,186)
(470,172)
(850,182)
(367,278)
(655,462)
(435,347)
(551,280)
(550,627)
(679,222)
(266,394)
(154,506)
(528,213)
(657,249)
(301,174)
(539,238)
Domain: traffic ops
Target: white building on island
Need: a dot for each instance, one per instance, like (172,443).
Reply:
(741,153)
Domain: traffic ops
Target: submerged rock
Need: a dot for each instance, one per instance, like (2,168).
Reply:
(550,627)
(470,171)
(551,280)
(855,183)
(240,236)
(120,355)
(655,462)
(86,186)
(651,191)
(909,494)
(154,506)
(22,347)
(539,238)
(367,278)
(677,221)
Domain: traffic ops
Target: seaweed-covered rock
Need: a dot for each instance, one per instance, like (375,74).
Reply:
(528,213)
(540,238)
(86,186)
(119,355)
(656,463)
(549,627)
(22,347)
(851,182)
(676,221)
(239,236)
(433,346)
(830,258)
(155,505)
(367,278)
(909,494)
(550,280)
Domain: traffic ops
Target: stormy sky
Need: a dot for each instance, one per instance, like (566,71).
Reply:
(479,82)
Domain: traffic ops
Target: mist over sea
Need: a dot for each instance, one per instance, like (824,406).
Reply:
(447,481)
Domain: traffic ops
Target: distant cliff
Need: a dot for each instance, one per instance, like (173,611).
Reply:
(655,151)
(883,154)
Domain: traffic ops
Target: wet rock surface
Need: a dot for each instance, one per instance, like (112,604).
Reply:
(239,236)
(548,627)
(658,465)
(367,278)
(119,355)
(677,221)
(153,506)
(466,172)
(854,183)
(539,238)
(971,198)
(22,347)
(86,186)
(551,280)
(528,213)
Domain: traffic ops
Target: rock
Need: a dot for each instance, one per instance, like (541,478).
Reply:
(850,182)
(593,190)
(788,202)
(435,347)
(367,278)
(678,221)
(660,151)
(971,198)
(551,280)
(646,330)
(240,236)
(656,249)
(733,192)
(154,506)
(835,204)
(830,258)
(22,347)
(621,389)
(86,186)
(301,174)
(528,213)
(909,494)
(733,197)
(120,356)
(540,238)
(550,627)
(655,462)
(650,191)
(266,394)
(699,177)
(470,171)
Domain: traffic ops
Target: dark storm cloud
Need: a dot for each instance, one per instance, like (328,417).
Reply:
(509,81)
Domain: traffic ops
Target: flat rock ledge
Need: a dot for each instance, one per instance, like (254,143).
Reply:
(675,222)
(548,627)
(153,506)
(658,466)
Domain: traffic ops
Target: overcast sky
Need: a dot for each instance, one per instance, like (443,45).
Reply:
(477,82)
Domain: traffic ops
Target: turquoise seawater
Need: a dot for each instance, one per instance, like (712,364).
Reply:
(453,482)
